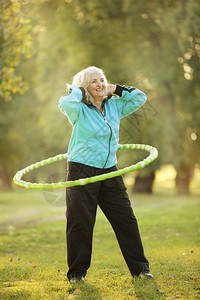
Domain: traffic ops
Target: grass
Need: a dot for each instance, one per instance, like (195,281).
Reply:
(33,250)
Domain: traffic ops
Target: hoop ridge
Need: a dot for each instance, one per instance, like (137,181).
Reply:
(82,181)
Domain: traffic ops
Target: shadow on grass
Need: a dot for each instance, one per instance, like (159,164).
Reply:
(147,289)
(18,295)
(85,291)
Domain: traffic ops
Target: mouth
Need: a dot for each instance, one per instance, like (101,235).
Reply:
(99,90)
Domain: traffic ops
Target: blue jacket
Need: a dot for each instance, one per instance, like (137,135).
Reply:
(94,139)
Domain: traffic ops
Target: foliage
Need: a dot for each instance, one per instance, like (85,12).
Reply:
(153,45)
(15,43)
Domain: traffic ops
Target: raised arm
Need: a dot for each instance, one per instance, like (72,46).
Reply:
(130,99)
(70,105)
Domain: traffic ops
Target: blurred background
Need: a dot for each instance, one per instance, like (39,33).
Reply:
(153,45)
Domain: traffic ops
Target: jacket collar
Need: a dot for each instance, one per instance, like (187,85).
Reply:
(91,104)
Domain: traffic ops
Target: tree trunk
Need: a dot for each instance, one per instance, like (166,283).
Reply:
(144,184)
(183,178)
(5,182)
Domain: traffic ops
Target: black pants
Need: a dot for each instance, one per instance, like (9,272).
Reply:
(113,200)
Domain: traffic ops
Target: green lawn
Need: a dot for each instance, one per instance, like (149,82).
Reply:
(33,250)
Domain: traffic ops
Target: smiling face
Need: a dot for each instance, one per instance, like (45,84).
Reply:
(97,86)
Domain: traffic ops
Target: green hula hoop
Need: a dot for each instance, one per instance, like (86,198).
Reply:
(82,181)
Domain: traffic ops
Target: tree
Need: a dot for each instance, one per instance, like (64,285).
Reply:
(169,60)
(185,89)
(153,45)
(15,43)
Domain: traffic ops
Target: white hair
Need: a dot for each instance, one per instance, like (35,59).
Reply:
(82,79)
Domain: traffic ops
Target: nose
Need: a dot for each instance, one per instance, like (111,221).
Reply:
(99,83)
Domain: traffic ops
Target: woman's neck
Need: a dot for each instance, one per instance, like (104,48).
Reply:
(98,104)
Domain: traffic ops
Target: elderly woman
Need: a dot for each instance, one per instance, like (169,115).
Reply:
(94,108)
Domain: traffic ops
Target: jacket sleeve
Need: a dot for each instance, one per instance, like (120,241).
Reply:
(70,105)
(130,99)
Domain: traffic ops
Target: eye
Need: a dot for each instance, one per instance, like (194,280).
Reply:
(102,80)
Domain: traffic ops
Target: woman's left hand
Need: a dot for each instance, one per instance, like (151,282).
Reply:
(111,89)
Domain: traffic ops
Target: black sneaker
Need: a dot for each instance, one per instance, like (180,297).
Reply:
(145,274)
(78,279)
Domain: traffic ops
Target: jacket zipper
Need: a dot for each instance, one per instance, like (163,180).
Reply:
(110,135)
(109,139)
